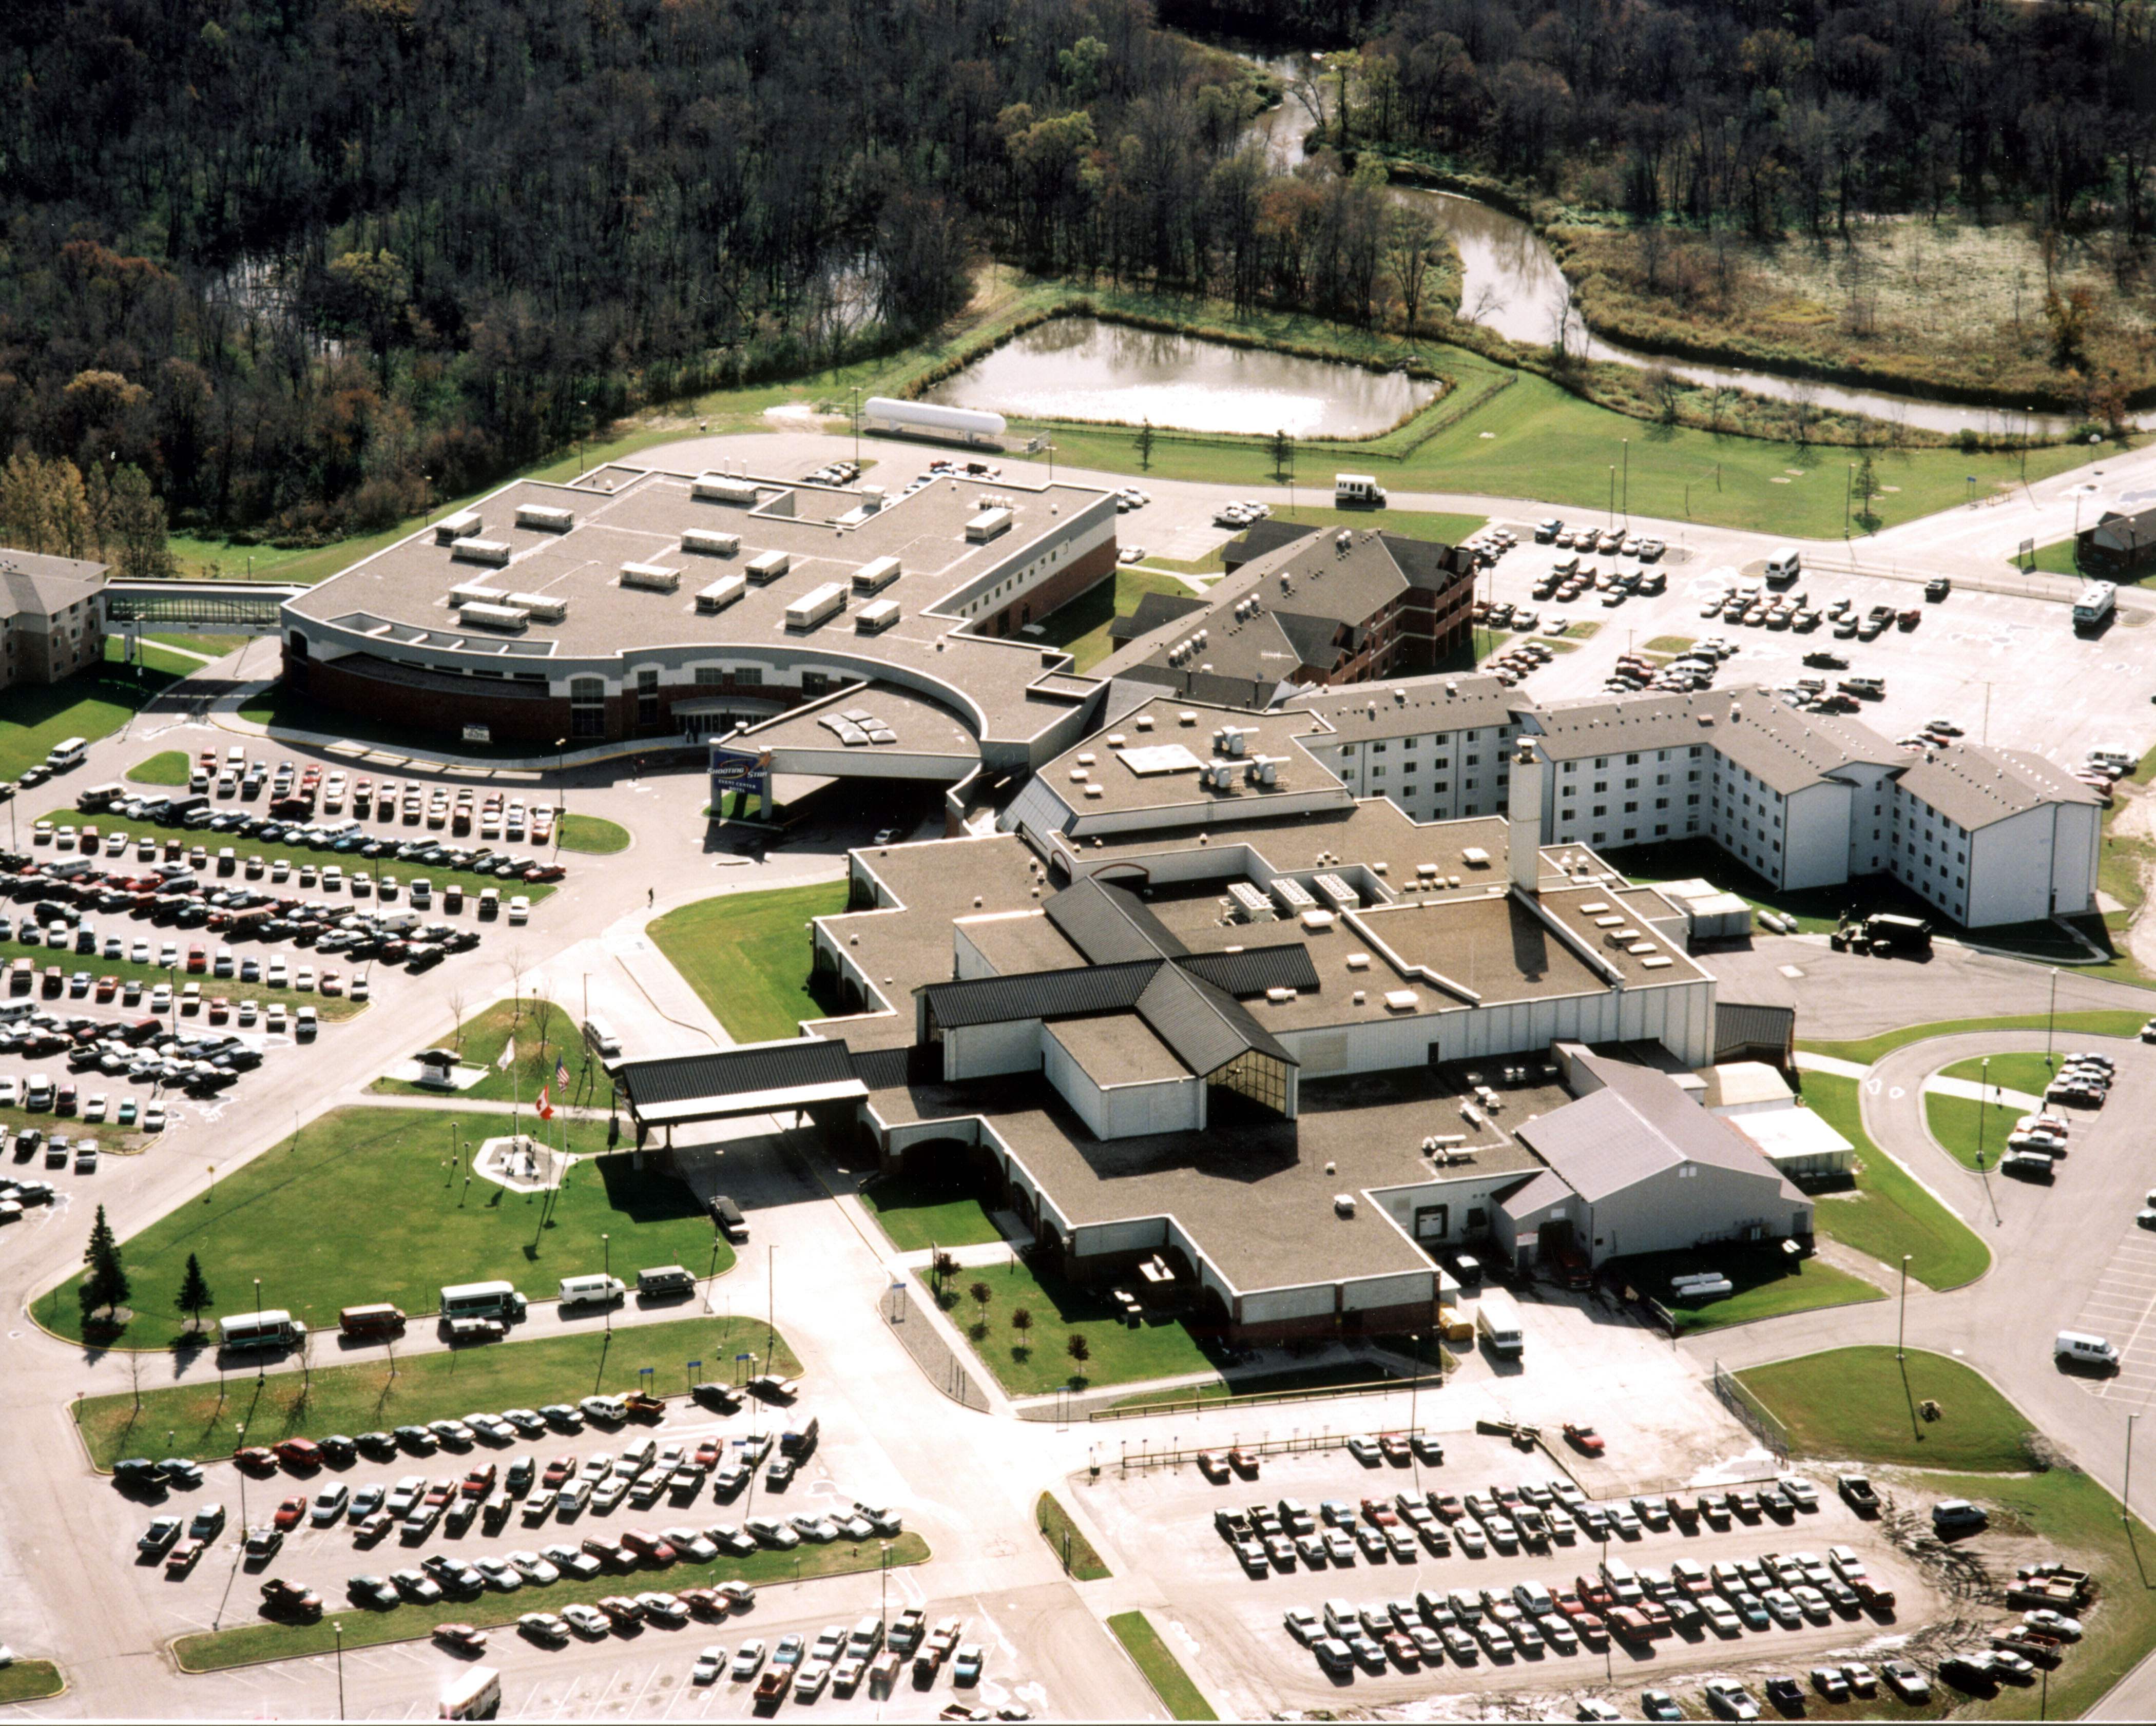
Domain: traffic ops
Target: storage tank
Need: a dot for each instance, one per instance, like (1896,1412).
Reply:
(934,416)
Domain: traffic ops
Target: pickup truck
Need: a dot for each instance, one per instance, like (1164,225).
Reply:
(642,1406)
(1857,1491)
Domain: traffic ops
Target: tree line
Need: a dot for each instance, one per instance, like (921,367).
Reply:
(306,265)
(1762,116)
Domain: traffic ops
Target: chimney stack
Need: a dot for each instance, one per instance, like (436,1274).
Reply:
(1526,819)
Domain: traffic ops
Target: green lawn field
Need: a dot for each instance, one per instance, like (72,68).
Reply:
(29,1681)
(1862,1402)
(196,1419)
(1886,1213)
(1868,1049)
(172,767)
(375,1205)
(1153,1658)
(747,954)
(546,1035)
(1037,1361)
(917,1217)
(2029,1072)
(1768,1285)
(591,833)
(1068,1542)
(91,704)
(1968,1130)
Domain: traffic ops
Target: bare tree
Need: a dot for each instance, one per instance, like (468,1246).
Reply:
(518,961)
(457,1010)
(1411,245)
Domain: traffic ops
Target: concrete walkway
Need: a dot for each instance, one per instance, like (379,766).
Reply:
(1939,1085)
(1810,1062)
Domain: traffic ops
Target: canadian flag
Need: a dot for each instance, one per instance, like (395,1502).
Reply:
(545,1109)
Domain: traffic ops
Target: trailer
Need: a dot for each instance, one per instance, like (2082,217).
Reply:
(817,604)
(1498,1322)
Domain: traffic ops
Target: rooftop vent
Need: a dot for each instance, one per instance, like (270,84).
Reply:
(1344,1204)
(545,518)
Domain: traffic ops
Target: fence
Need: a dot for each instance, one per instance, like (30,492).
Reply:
(1755,1415)
(1174,1455)
(1214,1405)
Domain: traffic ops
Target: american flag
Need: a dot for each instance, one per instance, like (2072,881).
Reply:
(561,1072)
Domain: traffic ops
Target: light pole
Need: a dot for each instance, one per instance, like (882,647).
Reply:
(2050,1018)
(606,1264)
(561,789)
(261,1365)
(1983,1084)
(1902,1328)
(339,1629)
(856,389)
(1628,482)
(2125,1491)
(1415,1383)
(1613,493)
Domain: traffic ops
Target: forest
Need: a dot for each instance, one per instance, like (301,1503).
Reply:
(304,265)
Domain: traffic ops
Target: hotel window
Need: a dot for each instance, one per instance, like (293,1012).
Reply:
(709,677)
(647,698)
(586,707)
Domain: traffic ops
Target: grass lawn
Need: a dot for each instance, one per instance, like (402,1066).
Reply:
(172,767)
(1868,1049)
(1954,1123)
(348,861)
(2028,1073)
(1769,1284)
(1081,627)
(91,704)
(1038,1360)
(917,1215)
(544,1033)
(1068,1542)
(155,659)
(592,833)
(312,1219)
(1888,1213)
(2057,559)
(747,954)
(29,1681)
(1162,1670)
(1671,645)
(213,1650)
(1863,1403)
(216,646)
(1445,529)
(199,1416)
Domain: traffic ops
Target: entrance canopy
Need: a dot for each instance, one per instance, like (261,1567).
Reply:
(764,1079)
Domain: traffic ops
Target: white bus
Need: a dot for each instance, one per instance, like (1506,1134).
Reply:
(260,1330)
(2093,609)
(1498,1317)
(474,1694)
(482,1300)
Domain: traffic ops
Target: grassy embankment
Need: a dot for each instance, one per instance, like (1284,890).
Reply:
(1769,1284)
(1854,1405)
(746,956)
(92,704)
(1886,1213)
(591,833)
(312,1219)
(172,767)
(917,1214)
(1068,1541)
(1037,1359)
(545,1034)
(381,1393)
(1866,1050)
(1183,1699)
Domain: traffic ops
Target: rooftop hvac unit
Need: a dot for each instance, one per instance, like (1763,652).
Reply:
(545,518)
(494,551)
(1343,540)
(1251,904)
(493,617)
(814,606)
(1261,770)
(655,577)
(1292,893)
(462,526)
(871,499)
(1358,961)
(1222,775)
(876,617)
(873,577)
(1338,893)
(711,542)
(1344,1203)
(1143,722)
(722,593)
(1279,996)
(986,525)
(722,489)
(767,566)
(545,607)
(471,593)
(1400,1001)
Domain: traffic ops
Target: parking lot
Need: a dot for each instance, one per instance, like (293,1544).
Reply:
(1970,649)
(1236,1619)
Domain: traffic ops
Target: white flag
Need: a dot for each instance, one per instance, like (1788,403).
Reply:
(508,1055)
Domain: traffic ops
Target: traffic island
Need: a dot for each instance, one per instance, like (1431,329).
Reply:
(29,1681)
(253,1643)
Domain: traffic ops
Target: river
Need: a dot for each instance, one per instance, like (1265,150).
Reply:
(1510,283)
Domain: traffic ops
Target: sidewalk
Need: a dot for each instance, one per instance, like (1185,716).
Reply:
(1939,1085)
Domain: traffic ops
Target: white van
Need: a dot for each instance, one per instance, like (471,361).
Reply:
(1357,491)
(2078,1348)
(68,752)
(600,1036)
(591,1291)
(1784,566)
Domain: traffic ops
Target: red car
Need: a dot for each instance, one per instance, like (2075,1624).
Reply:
(1211,1465)
(290,1513)
(461,1635)
(545,872)
(255,1456)
(300,1453)
(1376,1511)
(1245,1462)
(1583,1439)
(559,1470)
(707,1453)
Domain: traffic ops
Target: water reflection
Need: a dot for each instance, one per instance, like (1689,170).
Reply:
(1083,369)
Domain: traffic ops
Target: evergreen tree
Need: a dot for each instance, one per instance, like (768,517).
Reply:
(105,1285)
(194,1291)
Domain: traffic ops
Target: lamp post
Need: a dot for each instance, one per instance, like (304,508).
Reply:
(1613,493)
(1902,1327)
(606,1263)
(856,389)
(1628,482)
(1983,1084)
(2050,1018)
(339,1629)
(261,1365)
(2126,1489)
(561,789)
(1415,1383)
